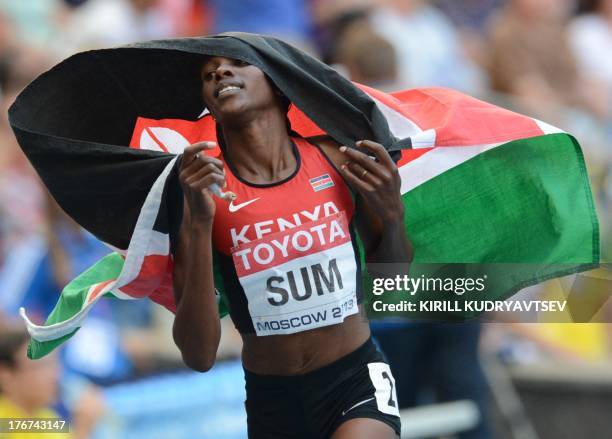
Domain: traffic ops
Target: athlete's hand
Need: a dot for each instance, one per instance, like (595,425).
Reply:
(197,173)
(377,181)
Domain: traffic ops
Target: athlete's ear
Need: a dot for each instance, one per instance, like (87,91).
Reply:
(284,99)
(278,92)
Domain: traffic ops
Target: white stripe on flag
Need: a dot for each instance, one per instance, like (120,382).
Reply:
(144,239)
(547,128)
(402,127)
(437,161)
(143,232)
(424,139)
(399,124)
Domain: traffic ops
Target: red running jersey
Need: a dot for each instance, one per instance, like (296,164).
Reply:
(287,251)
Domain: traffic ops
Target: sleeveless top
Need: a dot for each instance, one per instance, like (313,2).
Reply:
(287,251)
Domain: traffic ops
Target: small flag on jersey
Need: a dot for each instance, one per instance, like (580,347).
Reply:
(321,182)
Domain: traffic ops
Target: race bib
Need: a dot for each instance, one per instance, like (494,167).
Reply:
(300,278)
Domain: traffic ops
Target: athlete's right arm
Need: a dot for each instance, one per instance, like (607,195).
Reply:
(196,330)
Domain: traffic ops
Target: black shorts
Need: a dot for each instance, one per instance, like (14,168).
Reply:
(313,405)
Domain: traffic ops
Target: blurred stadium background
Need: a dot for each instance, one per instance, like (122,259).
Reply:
(121,376)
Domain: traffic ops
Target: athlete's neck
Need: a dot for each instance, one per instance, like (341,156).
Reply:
(260,149)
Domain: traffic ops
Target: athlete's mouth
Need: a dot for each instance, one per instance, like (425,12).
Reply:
(226,88)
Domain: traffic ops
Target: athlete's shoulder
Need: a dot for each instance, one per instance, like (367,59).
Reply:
(330,148)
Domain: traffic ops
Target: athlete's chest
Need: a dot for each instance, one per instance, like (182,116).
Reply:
(306,204)
(288,248)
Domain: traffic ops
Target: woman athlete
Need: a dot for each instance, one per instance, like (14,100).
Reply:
(286,248)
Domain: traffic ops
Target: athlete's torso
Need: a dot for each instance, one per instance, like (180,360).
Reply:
(287,251)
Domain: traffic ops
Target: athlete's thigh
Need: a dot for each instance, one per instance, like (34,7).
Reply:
(364,428)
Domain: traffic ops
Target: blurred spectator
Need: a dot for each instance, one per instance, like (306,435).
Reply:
(103,23)
(187,17)
(21,196)
(368,58)
(531,58)
(591,40)
(470,15)
(330,29)
(428,46)
(181,14)
(20,62)
(34,20)
(471,18)
(287,19)
(328,11)
(21,201)
(28,388)
(331,17)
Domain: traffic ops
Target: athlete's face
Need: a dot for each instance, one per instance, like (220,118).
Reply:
(233,88)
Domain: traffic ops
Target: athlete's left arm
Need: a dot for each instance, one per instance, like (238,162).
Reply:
(380,210)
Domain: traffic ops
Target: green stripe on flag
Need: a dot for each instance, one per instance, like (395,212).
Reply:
(73,298)
(38,349)
(74,295)
(527,201)
(522,212)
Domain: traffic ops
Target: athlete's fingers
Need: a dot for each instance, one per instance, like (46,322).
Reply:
(357,183)
(207,163)
(202,172)
(205,182)
(190,152)
(194,182)
(366,162)
(379,151)
(363,173)
(200,160)
(198,184)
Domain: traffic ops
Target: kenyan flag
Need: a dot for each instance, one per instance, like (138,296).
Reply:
(480,184)
(490,195)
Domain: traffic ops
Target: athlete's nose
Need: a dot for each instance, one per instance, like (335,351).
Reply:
(223,71)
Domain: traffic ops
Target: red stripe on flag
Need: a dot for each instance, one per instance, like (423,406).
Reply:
(98,289)
(164,293)
(149,277)
(461,120)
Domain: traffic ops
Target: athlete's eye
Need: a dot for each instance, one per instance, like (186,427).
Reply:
(207,76)
(241,63)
